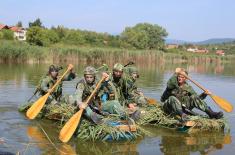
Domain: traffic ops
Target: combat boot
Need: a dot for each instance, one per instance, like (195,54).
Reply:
(212,114)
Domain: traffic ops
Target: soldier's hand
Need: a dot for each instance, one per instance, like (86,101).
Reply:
(82,105)
(207,92)
(106,75)
(49,90)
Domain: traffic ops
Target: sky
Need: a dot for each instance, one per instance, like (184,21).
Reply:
(189,20)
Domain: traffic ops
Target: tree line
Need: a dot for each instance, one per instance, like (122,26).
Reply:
(140,36)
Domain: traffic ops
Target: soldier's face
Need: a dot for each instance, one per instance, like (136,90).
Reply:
(181,79)
(54,74)
(117,73)
(89,78)
(134,76)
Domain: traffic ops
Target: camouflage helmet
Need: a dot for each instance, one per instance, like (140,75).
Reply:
(89,70)
(118,67)
(133,70)
(52,68)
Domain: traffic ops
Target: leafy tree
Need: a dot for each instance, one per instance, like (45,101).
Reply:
(37,22)
(7,34)
(35,36)
(61,31)
(51,36)
(74,37)
(144,36)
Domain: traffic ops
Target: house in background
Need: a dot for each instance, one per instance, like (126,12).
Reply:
(2,26)
(192,49)
(171,46)
(19,32)
(220,52)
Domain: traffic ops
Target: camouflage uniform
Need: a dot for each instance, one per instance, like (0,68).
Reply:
(123,92)
(176,98)
(120,85)
(103,103)
(47,82)
(134,95)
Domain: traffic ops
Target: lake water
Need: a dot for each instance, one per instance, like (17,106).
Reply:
(18,134)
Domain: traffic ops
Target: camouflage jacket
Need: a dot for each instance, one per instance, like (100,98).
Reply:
(47,82)
(84,90)
(181,93)
(121,88)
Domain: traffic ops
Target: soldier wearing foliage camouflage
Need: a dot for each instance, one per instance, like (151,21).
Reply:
(103,103)
(135,96)
(49,80)
(179,98)
(121,86)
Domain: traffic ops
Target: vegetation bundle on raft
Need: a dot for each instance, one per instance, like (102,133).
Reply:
(112,128)
(154,115)
(151,115)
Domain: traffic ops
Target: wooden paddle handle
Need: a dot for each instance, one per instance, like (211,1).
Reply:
(70,66)
(197,84)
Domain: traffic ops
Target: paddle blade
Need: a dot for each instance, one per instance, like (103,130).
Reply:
(34,110)
(70,127)
(224,104)
(151,101)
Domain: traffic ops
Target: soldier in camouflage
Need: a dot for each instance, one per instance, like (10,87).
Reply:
(49,80)
(134,95)
(104,102)
(179,98)
(121,86)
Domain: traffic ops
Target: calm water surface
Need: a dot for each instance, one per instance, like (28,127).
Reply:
(17,134)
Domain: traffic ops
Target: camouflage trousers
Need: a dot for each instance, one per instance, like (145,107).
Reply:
(174,106)
(108,107)
(139,100)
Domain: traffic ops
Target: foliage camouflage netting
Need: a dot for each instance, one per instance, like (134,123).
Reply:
(107,131)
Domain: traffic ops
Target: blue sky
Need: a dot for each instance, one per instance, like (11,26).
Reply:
(191,20)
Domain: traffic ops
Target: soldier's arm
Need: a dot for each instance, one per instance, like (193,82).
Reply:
(70,76)
(172,82)
(78,93)
(44,85)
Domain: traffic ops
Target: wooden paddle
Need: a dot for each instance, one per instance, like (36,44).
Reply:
(34,110)
(224,104)
(69,128)
(151,100)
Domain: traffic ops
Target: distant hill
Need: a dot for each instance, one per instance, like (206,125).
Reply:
(216,41)
(175,41)
(208,41)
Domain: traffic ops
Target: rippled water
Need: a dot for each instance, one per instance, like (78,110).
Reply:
(17,134)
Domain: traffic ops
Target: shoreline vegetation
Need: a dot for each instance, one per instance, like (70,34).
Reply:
(22,52)
(143,43)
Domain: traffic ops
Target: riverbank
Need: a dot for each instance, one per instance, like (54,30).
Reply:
(22,52)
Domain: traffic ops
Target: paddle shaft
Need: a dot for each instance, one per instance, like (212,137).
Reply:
(60,79)
(224,104)
(197,84)
(95,90)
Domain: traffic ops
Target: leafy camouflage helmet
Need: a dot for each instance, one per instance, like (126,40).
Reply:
(133,70)
(53,68)
(89,70)
(118,67)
